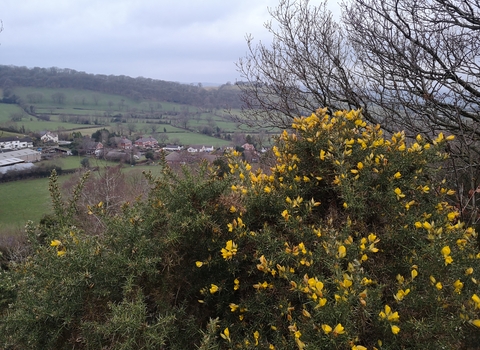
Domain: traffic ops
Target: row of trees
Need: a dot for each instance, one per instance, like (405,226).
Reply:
(409,64)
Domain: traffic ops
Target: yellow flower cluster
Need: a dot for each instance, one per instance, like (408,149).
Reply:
(314,289)
(390,317)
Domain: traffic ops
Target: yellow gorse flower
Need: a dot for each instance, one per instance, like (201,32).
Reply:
(213,289)
(476,300)
(326,328)
(458,285)
(359,347)
(55,243)
(236,284)
(476,323)
(229,251)
(399,193)
(338,329)
(226,334)
(256,335)
(401,294)
(446,255)
(446,250)
(389,315)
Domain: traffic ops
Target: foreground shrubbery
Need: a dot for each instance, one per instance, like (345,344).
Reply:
(349,243)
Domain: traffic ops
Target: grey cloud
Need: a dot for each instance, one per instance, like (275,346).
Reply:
(182,40)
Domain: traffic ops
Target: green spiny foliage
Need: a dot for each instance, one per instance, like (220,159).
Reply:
(348,243)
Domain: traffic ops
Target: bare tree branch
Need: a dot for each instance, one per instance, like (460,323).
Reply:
(410,64)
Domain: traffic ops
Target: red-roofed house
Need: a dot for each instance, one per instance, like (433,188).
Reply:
(125,143)
(146,142)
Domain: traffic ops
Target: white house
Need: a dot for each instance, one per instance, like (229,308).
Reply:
(49,137)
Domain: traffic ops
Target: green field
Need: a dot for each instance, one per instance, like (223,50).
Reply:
(87,111)
(23,200)
(30,200)
(73,162)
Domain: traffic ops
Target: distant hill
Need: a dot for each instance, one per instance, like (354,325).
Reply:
(223,96)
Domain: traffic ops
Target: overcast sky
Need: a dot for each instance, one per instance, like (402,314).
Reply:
(175,40)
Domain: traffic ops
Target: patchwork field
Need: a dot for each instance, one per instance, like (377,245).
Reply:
(87,111)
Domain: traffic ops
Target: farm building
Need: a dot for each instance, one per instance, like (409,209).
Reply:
(26,155)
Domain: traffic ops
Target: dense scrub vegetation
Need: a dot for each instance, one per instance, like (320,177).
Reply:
(348,243)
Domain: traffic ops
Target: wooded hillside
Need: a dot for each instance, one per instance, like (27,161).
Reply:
(225,96)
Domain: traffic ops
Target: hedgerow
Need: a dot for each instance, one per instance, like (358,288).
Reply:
(349,242)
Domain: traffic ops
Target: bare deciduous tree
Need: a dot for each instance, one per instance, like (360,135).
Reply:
(308,65)
(422,62)
(409,64)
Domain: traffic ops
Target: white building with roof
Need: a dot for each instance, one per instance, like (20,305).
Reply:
(8,143)
(49,137)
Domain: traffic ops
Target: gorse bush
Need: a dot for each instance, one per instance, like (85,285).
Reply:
(348,243)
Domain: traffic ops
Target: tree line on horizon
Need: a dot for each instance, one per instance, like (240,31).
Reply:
(140,88)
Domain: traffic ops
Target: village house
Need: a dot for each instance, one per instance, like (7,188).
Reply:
(146,142)
(93,147)
(13,143)
(125,143)
(49,137)
(174,158)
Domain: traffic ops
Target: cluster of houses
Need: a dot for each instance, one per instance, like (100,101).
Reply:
(14,150)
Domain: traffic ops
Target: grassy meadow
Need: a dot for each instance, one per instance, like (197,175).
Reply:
(21,201)
(30,200)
